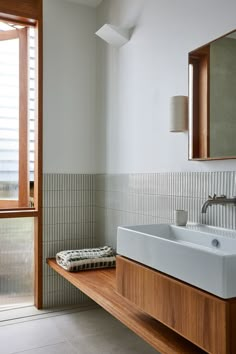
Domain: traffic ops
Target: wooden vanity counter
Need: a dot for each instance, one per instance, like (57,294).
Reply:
(204,319)
(100,286)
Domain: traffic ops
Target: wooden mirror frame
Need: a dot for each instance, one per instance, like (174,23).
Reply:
(199,108)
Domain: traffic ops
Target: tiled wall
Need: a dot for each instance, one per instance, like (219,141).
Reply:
(68,223)
(152,198)
(85,210)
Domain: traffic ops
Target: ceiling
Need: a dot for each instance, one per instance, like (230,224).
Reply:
(91,3)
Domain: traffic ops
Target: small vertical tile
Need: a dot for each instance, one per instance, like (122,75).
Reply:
(85,210)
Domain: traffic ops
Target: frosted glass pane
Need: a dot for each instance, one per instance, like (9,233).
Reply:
(16,262)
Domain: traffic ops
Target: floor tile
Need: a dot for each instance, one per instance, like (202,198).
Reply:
(121,341)
(59,348)
(28,314)
(29,335)
(86,323)
(86,332)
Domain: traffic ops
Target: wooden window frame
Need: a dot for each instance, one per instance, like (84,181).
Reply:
(29,12)
(23,180)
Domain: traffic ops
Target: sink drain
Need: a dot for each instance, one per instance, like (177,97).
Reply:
(215,243)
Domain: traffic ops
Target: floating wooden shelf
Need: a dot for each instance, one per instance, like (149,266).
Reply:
(100,286)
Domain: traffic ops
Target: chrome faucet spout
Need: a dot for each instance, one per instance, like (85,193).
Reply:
(205,206)
(221,200)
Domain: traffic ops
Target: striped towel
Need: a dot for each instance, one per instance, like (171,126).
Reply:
(89,258)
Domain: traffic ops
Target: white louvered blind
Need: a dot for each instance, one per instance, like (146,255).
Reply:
(9,118)
(9,115)
(31,102)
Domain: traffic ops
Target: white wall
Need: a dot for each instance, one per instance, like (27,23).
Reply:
(69,88)
(135,82)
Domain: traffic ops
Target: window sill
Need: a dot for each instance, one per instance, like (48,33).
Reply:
(18,213)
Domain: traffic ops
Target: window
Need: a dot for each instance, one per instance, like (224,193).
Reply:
(27,15)
(17,115)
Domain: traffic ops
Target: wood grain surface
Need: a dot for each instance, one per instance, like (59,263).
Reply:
(204,319)
(21,10)
(100,286)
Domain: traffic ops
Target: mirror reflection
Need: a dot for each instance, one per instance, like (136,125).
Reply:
(212,100)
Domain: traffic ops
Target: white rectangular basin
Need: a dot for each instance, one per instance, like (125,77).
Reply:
(200,255)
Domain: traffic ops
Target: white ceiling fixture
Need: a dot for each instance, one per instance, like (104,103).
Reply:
(91,3)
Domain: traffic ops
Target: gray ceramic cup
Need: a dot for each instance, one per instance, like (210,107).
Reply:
(181,217)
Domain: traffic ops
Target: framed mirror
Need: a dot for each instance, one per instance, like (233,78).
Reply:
(212,100)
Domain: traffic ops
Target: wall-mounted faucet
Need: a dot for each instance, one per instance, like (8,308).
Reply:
(222,200)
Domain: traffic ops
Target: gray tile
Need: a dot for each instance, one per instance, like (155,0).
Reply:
(99,182)
(85,210)
(119,341)
(87,323)
(68,217)
(81,332)
(59,348)
(29,335)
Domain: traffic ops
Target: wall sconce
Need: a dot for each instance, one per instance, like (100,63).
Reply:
(113,35)
(178,113)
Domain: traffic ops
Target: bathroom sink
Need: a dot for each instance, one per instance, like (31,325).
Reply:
(200,255)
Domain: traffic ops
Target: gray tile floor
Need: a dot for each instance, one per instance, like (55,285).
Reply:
(86,332)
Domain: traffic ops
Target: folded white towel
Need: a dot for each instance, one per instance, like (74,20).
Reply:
(89,258)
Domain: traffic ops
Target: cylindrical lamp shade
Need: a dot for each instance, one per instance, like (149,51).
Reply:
(178,113)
